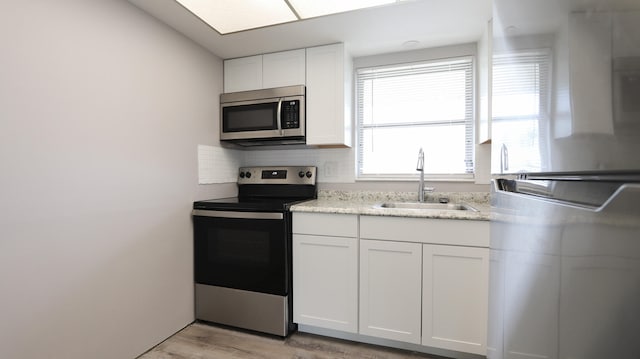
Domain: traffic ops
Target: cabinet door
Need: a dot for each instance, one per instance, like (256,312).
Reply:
(531,292)
(485,63)
(599,311)
(328,101)
(286,68)
(390,290)
(325,282)
(599,306)
(455,298)
(243,74)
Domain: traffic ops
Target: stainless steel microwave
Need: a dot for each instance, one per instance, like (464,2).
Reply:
(272,116)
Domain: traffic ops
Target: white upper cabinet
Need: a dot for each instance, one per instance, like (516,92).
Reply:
(278,69)
(329,95)
(286,68)
(327,73)
(243,74)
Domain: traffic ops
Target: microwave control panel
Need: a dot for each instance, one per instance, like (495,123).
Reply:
(290,115)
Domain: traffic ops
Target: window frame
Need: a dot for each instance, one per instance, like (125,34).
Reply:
(469,132)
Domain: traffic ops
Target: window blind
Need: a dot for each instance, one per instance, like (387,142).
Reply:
(401,108)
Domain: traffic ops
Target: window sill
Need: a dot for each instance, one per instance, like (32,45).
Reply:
(462,179)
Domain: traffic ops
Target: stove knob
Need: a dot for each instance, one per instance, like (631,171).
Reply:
(248,174)
(241,174)
(301,174)
(309,174)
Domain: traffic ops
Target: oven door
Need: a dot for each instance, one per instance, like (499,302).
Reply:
(241,250)
(251,119)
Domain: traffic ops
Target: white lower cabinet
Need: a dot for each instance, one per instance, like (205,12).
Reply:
(390,290)
(455,297)
(325,271)
(412,280)
(532,281)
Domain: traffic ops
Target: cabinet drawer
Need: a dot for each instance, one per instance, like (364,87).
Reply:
(426,230)
(325,224)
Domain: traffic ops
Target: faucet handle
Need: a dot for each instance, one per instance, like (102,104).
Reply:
(422,195)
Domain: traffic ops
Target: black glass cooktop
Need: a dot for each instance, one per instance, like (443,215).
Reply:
(267,189)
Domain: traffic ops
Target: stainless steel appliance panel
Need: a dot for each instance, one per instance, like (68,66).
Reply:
(242,249)
(565,274)
(566,86)
(261,312)
(269,116)
(565,227)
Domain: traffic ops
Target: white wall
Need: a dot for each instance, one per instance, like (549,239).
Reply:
(337,166)
(101,111)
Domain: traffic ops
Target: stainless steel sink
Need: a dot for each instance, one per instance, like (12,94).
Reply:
(427,206)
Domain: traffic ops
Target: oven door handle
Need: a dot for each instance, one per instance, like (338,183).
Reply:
(234,214)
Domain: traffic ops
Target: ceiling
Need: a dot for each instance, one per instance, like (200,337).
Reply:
(526,17)
(377,30)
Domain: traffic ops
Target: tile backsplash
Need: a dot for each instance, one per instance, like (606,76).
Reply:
(218,164)
(335,165)
(336,168)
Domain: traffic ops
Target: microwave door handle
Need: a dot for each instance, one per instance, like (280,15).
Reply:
(279,116)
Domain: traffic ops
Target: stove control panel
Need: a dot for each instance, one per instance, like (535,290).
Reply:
(305,175)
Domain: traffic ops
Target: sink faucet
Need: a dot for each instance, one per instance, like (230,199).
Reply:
(420,167)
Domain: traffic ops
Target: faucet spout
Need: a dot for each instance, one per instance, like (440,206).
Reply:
(420,168)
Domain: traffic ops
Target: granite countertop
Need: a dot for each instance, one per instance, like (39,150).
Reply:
(363,202)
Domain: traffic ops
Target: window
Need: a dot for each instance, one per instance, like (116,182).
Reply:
(403,108)
(520,107)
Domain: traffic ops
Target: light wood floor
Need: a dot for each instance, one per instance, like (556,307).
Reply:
(201,341)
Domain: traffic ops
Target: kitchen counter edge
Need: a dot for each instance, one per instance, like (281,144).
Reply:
(369,209)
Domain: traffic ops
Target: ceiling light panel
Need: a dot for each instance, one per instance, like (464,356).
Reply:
(228,16)
(313,8)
